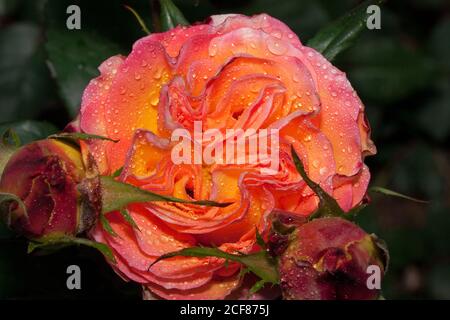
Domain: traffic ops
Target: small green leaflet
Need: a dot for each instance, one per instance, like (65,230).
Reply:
(328,206)
(75,136)
(49,244)
(171,16)
(106,225)
(117,195)
(342,33)
(394,194)
(259,263)
(128,218)
(139,19)
(117,173)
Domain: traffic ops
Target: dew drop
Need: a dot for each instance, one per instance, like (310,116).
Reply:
(212,50)
(276,47)
(277,34)
(315,163)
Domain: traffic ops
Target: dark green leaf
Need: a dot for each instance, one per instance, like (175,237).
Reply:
(117,195)
(260,263)
(171,16)
(25,83)
(341,34)
(74,55)
(391,193)
(395,72)
(51,243)
(29,130)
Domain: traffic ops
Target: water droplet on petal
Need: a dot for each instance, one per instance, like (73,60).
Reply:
(276,47)
(212,50)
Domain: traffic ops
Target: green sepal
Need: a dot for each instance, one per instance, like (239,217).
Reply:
(51,243)
(117,195)
(328,206)
(107,226)
(6,199)
(260,263)
(74,137)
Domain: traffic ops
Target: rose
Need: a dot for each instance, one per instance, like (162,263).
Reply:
(233,72)
(328,259)
(57,192)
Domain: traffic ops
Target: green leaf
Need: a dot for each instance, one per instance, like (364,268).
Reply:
(117,195)
(260,263)
(342,33)
(28,130)
(392,193)
(171,16)
(256,287)
(106,225)
(328,206)
(139,19)
(49,244)
(395,72)
(74,55)
(75,136)
(128,218)
(260,240)
(117,173)
(25,82)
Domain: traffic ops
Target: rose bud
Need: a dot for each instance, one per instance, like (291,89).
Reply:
(328,259)
(283,222)
(57,191)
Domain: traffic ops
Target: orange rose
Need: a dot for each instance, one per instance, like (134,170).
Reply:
(234,72)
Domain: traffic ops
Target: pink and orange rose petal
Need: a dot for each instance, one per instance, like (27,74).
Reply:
(230,72)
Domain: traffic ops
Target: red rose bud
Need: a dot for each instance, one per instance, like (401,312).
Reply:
(60,196)
(283,222)
(332,258)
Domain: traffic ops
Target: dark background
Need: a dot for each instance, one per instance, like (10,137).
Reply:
(401,73)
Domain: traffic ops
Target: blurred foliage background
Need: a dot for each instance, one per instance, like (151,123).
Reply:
(401,72)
